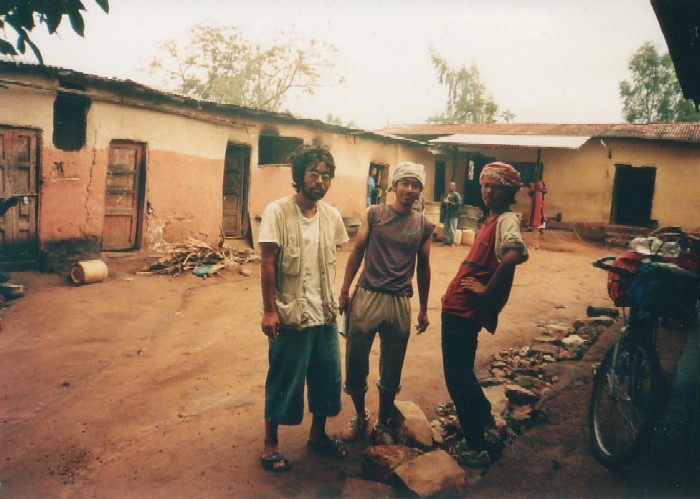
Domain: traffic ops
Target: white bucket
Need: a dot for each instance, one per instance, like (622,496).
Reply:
(468,237)
(88,271)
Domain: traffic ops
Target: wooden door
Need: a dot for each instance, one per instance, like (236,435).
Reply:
(124,196)
(235,190)
(18,176)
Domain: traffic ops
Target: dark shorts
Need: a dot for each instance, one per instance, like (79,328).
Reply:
(297,358)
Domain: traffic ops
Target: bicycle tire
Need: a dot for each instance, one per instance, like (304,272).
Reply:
(621,423)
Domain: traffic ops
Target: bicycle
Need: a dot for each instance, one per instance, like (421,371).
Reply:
(628,386)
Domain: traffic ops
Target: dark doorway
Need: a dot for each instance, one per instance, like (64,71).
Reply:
(472,189)
(439,190)
(633,193)
(377,195)
(235,200)
(19,171)
(124,196)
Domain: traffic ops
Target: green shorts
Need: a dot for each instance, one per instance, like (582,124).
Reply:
(372,313)
(298,358)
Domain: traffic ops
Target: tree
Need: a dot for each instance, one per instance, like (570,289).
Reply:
(24,15)
(337,120)
(219,64)
(467,101)
(654,94)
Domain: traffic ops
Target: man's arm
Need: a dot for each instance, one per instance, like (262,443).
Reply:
(268,277)
(354,260)
(423,277)
(504,274)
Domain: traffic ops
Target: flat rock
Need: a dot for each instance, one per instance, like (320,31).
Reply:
(380,461)
(496,395)
(543,348)
(413,427)
(519,395)
(573,341)
(433,474)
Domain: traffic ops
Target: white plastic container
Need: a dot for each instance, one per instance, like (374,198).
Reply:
(468,237)
(88,271)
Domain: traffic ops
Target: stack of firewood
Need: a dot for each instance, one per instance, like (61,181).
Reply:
(200,257)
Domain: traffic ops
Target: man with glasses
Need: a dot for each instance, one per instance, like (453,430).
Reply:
(394,241)
(298,239)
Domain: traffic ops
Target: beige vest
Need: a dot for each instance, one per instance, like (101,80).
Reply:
(289,294)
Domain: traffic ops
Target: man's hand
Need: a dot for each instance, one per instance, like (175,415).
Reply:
(471,284)
(423,322)
(270,325)
(343,300)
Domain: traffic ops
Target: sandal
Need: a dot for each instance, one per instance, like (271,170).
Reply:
(276,463)
(332,446)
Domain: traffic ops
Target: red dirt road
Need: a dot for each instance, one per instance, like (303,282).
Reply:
(153,386)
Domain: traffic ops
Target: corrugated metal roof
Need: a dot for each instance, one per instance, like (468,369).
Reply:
(541,141)
(676,132)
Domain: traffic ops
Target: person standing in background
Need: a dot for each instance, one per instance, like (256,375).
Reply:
(452,203)
(536,218)
(371,186)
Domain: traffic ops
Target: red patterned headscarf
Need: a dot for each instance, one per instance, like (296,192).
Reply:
(501,174)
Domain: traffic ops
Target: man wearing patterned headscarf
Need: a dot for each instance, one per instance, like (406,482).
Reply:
(473,300)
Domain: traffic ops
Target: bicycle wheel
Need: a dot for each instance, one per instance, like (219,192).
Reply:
(627,391)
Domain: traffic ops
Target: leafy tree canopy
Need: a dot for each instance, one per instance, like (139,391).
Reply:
(22,16)
(219,64)
(654,95)
(337,120)
(467,99)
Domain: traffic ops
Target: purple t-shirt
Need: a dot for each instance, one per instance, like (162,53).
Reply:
(390,256)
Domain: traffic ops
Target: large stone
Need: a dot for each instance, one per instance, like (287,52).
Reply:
(412,427)
(543,348)
(520,396)
(521,413)
(496,395)
(573,341)
(433,474)
(356,488)
(380,461)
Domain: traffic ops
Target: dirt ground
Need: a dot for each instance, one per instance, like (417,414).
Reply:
(151,386)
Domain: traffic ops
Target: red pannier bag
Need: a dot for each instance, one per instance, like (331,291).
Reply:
(618,286)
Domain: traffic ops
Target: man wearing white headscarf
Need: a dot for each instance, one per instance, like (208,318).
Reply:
(393,240)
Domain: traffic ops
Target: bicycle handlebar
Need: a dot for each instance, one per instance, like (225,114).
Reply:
(602,263)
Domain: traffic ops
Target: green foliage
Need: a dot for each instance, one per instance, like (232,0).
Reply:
(467,100)
(22,16)
(337,120)
(219,64)
(654,94)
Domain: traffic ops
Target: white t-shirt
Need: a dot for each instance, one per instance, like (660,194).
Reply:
(271,233)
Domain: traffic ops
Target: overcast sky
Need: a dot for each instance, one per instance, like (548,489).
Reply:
(547,61)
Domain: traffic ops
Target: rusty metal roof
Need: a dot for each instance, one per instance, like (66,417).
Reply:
(540,141)
(675,132)
(134,90)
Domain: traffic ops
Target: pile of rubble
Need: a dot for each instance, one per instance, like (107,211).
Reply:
(200,258)
(426,461)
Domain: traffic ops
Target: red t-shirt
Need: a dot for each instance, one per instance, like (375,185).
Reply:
(481,263)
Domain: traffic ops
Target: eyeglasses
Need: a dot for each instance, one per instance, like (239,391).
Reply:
(326,177)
